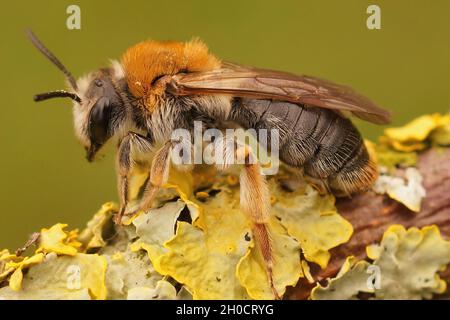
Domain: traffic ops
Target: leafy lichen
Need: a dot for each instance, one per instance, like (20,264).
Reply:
(212,254)
(408,262)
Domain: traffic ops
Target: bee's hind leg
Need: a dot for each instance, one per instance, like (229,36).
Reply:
(319,184)
(131,147)
(255,202)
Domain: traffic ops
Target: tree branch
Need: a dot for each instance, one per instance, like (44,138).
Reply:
(371,214)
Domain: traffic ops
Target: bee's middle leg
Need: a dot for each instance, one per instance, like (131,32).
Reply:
(159,173)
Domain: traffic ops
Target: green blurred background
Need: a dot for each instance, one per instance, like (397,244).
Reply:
(45,178)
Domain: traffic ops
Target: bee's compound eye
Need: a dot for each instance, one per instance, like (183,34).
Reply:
(98,82)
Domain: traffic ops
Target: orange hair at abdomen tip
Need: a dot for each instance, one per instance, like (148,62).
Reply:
(147,60)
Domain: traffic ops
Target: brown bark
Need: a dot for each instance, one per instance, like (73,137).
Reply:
(371,214)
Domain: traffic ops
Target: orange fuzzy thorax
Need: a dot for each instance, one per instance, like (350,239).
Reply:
(148,60)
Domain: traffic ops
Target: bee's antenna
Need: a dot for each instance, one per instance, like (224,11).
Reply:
(50,56)
(56,94)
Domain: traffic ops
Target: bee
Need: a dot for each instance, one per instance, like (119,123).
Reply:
(157,87)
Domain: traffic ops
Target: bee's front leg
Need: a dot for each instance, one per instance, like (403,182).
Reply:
(131,147)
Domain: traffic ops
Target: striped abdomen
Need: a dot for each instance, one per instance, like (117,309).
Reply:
(325,144)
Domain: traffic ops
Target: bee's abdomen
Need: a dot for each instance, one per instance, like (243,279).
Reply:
(325,144)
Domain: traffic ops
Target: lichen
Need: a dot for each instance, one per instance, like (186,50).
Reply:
(407,263)
(210,252)
(415,135)
(407,190)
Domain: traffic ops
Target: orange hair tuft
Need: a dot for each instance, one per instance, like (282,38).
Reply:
(148,60)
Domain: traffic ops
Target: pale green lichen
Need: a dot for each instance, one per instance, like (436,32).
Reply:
(348,283)
(406,263)
(212,256)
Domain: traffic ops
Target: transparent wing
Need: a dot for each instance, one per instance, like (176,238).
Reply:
(242,81)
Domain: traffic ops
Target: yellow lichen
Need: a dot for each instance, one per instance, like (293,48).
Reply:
(92,235)
(215,255)
(58,276)
(204,256)
(15,281)
(287,268)
(313,221)
(56,239)
(411,136)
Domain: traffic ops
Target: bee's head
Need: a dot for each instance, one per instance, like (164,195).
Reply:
(99,102)
(101,113)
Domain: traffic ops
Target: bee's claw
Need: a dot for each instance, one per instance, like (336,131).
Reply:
(131,213)
(319,185)
(117,218)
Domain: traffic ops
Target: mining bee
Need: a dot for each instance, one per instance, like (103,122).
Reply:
(158,86)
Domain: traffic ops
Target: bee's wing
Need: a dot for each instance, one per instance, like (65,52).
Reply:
(244,81)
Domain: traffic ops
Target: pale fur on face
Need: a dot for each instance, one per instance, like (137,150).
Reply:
(81,111)
(119,72)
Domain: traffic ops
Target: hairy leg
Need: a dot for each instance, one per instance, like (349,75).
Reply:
(319,184)
(255,202)
(159,174)
(254,198)
(132,147)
